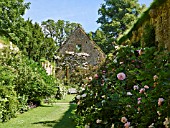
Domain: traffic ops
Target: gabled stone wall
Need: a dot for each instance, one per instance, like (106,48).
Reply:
(81,40)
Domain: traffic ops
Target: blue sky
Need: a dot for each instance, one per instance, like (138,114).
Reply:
(84,12)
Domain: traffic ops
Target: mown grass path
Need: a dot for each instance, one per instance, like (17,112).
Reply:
(56,116)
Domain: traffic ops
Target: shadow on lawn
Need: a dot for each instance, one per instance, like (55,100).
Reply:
(46,105)
(64,122)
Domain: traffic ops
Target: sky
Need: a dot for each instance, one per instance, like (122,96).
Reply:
(84,12)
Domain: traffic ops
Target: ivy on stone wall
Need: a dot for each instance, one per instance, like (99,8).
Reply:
(148,38)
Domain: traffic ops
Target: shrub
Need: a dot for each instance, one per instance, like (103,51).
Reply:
(21,80)
(8,103)
(139,94)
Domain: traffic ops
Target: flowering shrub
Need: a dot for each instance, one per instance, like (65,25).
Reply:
(132,89)
(21,80)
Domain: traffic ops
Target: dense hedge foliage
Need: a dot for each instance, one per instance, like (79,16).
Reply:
(22,80)
(132,89)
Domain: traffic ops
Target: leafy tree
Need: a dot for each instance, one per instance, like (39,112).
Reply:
(99,38)
(116,16)
(27,36)
(59,30)
(48,49)
(33,42)
(11,13)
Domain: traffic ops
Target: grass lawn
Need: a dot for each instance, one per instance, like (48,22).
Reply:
(66,99)
(46,116)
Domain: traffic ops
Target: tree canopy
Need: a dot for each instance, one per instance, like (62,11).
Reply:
(116,16)
(58,30)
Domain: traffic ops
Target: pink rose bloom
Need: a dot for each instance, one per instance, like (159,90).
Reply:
(98,121)
(103,71)
(142,90)
(135,87)
(123,119)
(139,100)
(121,63)
(155,77)
(160,100)
(139,52)
(127,125)
(96,76)
(146,86)
(121,76)
(129,93)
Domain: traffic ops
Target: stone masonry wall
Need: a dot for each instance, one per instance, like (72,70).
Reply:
(79,37)
(159,18)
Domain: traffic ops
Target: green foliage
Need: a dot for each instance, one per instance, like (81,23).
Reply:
(100,39)
(59,31)
(106,99)
(35,83)
(116,16)
(149,36)
(8,103)
(27,36)
(10,17)
(22,79)
(23,105)
(142,18)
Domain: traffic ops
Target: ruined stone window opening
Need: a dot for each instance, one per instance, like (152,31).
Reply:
(78,48)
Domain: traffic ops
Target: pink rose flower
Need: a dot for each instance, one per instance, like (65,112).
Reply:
(142,90)
(135,87)
(127,125)
(155,77)
(98,121)
(103,71)
(139,52)
(123,119)
(139,100)
(96,76)
(160,100)
(121,76)
(129,93)
(146,86)
(121,63)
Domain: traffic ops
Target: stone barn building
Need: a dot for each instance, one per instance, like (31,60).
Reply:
(79,42)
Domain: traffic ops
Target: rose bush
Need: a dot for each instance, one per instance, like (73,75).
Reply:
(133,91)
